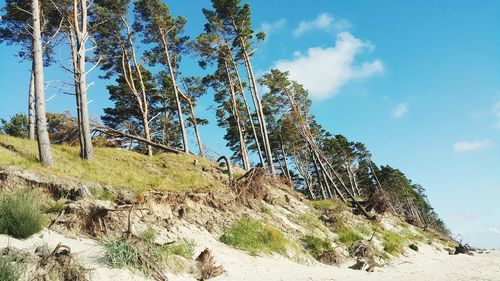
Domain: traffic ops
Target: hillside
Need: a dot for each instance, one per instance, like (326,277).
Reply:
(127,217)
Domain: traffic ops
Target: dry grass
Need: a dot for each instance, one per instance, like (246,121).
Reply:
(111,166)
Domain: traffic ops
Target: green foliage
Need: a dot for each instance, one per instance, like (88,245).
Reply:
(9,270)
(315,245)
(17,126)
(413,247)
(393,242)
(252,236)
(20,214)
(349,236)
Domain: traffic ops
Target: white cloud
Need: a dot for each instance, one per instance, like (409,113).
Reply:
(325,22)
(464,146)
(494,230)
(323,71)
(271,27)
(400,110)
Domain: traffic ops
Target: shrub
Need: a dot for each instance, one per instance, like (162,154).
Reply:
(252,236)
(9,271)
(414,247)
(20,214)
(315,245)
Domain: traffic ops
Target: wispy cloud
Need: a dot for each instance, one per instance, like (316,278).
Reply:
(271,27)
(400,110)
(465,146)
(323,71)
(325,22)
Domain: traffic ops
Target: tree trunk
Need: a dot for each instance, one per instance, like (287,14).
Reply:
(259,110)
(44,149)
(80,28)
(74,56)
(31,107)
(195,123)
(176,93)
(249,113)
(243,146)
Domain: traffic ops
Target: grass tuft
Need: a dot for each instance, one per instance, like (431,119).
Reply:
(256,238)
(120,253)
(9,271)
(316,246)
(393,242)
(349,236)
(20,214)
(265,209)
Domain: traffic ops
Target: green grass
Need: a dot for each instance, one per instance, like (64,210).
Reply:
(9,271)
(102,194)
(265,209)
(393,242)
(114,167)
(55,207)
(312,222)
(120,253)
(327,204)
(349,236)
(315,245)
(184,248)
(20,214)
(254,237)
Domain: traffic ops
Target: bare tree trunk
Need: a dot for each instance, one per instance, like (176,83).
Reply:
(142,99)
(74,56)
(80,27)
(31,108)
(249,113)
(44,149)
(259,110)
(177,100)
(304,174)
(195,123)
(243,146)
(283,152)
(321,177)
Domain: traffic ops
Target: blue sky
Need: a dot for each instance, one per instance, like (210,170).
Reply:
(417,81)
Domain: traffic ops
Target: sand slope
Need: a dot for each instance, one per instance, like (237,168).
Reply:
(428,264)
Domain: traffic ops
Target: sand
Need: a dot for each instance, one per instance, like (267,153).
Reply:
(427,264)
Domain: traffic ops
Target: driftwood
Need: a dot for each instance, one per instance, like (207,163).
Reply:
(112,132)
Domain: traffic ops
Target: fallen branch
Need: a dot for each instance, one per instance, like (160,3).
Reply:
(112,132)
